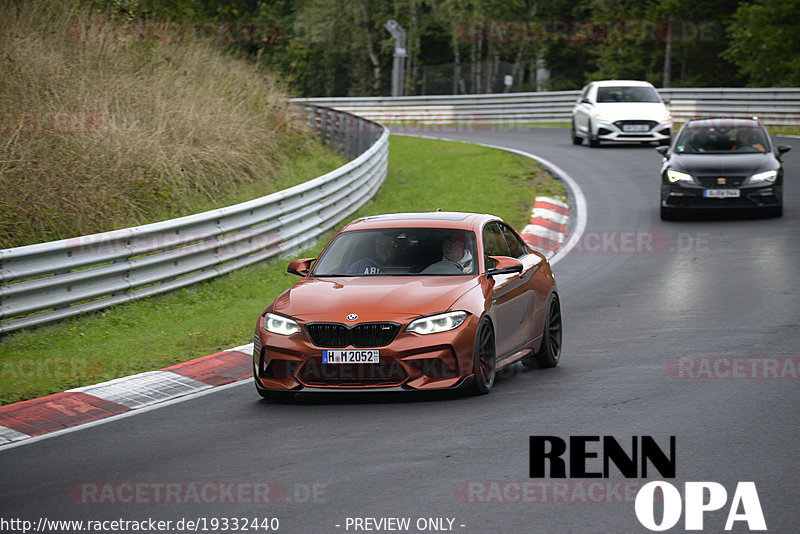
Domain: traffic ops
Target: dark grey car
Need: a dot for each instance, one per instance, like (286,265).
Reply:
(722,163)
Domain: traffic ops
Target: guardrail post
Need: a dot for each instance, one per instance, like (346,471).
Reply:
(398,63)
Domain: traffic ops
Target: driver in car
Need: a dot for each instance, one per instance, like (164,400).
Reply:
(748,139)
(455,258)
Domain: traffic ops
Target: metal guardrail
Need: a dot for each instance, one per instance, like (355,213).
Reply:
(49,281)
(777,106)
(774,106)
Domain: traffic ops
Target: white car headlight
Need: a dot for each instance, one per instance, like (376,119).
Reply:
(601,118)
(437,323)
(280,325)
(768,176)
(676,176)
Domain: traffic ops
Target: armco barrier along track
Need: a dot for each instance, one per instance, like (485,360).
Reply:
(775,106)
(48,281)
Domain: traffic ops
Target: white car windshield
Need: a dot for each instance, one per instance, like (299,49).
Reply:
(399,252)
(627,94)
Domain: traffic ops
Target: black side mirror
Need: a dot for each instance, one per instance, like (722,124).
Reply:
(663,149)
(783,149)
(666,101)
(585,101)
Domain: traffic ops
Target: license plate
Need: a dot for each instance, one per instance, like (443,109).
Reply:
(635,128)
(721,193)
(351,356)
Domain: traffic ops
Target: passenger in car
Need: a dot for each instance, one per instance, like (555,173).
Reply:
(385,254)
(700,141)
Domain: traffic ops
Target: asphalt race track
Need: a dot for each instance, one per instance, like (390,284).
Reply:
(637,295)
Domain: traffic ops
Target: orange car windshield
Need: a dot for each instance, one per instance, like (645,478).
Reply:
(399,252)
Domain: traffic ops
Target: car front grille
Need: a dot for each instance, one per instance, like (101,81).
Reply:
(337,335)
(713,182)
(621,125)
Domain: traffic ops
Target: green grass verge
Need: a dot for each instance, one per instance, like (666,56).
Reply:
(219,314)
(784,130)
(467,125)
(772,129)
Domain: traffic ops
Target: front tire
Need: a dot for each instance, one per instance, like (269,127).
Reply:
(576,139)
(776,211)
(484,360)
(550,351)
(668,214)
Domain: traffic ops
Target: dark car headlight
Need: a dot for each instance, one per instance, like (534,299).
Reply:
(767,176)
(677,176)
(437,323)
(280,325)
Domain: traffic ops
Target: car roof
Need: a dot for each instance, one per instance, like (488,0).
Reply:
(618,83)
(435,219)
(723,122)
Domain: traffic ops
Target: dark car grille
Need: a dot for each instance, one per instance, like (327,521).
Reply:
(361,335)
(713,181)
(386,373)
(621,125)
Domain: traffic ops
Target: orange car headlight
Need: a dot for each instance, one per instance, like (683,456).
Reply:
(437,323)
(280,325)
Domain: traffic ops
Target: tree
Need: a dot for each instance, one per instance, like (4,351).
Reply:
(764,42)
(570,62)
(334,48)
(697,39)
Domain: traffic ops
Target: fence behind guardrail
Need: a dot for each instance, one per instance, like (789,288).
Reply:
(49,281)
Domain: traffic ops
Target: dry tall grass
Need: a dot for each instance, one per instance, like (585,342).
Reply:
(141,132)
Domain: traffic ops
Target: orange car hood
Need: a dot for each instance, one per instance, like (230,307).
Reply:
(372,298)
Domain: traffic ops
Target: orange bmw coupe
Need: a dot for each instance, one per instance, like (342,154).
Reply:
(412,301)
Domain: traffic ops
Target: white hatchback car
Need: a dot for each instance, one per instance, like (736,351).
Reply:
(620,110)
